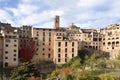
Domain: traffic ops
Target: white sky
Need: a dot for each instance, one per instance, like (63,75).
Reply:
(40,13)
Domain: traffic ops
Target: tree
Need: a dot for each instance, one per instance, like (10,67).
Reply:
(82,54)
(74,63)
(101,64)
(55,73)
(24,71)
(92,61)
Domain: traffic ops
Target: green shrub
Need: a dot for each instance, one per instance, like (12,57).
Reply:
(68,77)
(106,77)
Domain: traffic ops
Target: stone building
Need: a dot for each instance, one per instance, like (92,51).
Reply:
(89,39)
(65,48)
(45,43)
(10,45)
(59,44)
(110,40)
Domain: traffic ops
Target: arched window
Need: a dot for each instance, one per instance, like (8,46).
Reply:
(109,43)
(113,42)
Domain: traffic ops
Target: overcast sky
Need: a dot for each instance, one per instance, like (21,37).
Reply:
(40,13)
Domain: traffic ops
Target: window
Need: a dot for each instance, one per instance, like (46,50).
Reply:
(49,55)
(49,49)
(58,60)
(59,44)
(43,38)
(58,37)
(6,57)
(14,50)
(6,45)
(112,47)
(14,54)
(65,43)
(65,59)
(72,55)
(15,40)
(43,33)
(6,52)
(65,49)
(58,55)
(94,39)
(43,49)
(72,49)
(72,43)
(15,45)
(90,46)
(113,43)
(6,64)
(59,50)
(103,43)
(43,43)
(14,59)
(117,37)
(37,49)
(49,43)
(65,55)
(117,42)
(109,43)
(43,54)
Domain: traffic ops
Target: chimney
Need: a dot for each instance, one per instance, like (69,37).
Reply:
(56,22)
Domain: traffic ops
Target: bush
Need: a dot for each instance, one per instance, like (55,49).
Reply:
(68,77)
(74,63)
(106,77)
(92,78)
(55,73)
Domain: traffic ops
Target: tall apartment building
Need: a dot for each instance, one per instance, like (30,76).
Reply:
(10,45)
(45,43)
(65,48)
(110,40)
(47,48)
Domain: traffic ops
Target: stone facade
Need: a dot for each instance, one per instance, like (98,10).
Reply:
(59,44)
(10,45)
(1,49)
(65,48)
(110,40)
(45,43)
